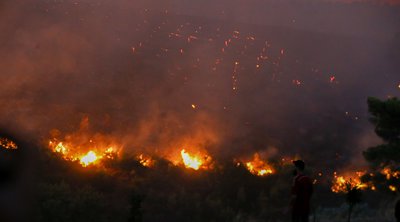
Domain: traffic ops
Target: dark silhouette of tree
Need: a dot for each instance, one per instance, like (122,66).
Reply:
(385,158)
(386,118)
(353,197)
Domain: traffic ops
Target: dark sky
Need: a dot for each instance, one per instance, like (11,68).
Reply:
(288,76)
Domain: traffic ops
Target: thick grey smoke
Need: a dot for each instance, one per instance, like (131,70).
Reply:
(162,74)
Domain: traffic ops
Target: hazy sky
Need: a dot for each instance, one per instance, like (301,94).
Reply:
(135,68)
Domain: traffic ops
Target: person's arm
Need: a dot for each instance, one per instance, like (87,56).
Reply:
(294,192)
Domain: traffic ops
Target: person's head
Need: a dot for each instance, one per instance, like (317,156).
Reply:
(299,165)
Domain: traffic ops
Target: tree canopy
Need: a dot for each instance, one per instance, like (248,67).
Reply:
(386,119)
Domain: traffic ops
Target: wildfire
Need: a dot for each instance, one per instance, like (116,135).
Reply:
(60,148)
(259,167)
(195,162)
(146,161)
(73,153)
(392,188)
(354,179)
(390,174)
(340,182)
(8,144)
(88,159)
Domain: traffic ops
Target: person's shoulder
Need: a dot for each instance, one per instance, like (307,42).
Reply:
(304,178)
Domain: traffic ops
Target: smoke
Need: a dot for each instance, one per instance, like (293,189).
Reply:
(152,74)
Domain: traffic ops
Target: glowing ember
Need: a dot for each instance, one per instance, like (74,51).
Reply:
(60,148)
(8,144)
(110,153)
(390,174)
(392,188)
(340,183)
(145,160)
(259,167)
(88,159)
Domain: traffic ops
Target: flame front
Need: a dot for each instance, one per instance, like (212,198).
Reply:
(389,174)
(88,159)
(340,183)
(8,144)
(146,161)
(60,148)
(191,161)
(75,153)
(258,167)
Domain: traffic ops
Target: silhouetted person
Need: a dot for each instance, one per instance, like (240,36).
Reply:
(302,190)
(397,211)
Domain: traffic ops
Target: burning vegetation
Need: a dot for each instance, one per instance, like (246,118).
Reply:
(83,146)
(8,144)
(191,161)
(341,183)
(76,153)
(146,160)
(159,78)
(259,167)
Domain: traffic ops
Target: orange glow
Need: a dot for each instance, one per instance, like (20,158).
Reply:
(8,144)
(146,161)
(259,167)
(76,152)
(196,161)
(392,188)
(354,179)
(390,174)
(191,161)
(89,158)
(340,183)
(60,148)
(84,146)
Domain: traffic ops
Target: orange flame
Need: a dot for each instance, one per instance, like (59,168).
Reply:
(191,161)
(195,162)
(340,182)
(146,161)
(71,153)
(390,173)
(8,144)
(89,158)
(259,167)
